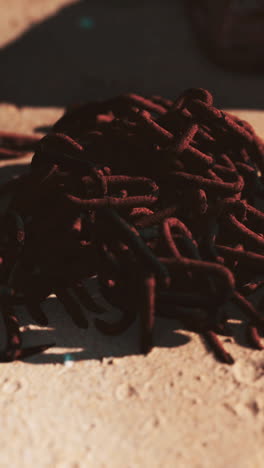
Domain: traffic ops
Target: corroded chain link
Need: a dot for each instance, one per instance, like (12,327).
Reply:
(158,198)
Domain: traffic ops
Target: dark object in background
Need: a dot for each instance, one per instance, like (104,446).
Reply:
(231,31)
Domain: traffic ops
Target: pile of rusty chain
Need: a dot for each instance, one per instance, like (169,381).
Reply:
(158,198)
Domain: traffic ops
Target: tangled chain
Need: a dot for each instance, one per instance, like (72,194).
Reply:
(158,198)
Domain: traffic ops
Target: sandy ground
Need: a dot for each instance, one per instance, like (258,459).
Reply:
(93,401)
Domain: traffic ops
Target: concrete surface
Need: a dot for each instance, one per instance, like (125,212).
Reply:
(109,407)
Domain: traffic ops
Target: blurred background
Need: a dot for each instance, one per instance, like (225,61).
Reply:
(59,52)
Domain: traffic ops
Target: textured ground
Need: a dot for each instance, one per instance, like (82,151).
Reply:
(93,401)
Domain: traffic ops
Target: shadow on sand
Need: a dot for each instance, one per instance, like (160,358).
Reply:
(98,48)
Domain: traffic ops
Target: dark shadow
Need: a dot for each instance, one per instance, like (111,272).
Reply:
(240,334)
(42,129)
(98,48)
(75,344)
(93,344)
(10,171)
